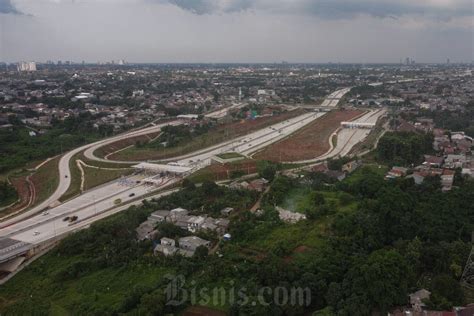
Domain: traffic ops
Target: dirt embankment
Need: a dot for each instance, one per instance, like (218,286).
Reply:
(311,141)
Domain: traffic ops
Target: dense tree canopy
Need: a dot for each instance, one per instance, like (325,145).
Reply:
(404,148)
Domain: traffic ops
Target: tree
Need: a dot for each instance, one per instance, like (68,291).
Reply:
(267,170)
(152,303)
(188,184)
(376,283)
(7,193)
(404,148)
(446,292)
(210,187)
(201,252)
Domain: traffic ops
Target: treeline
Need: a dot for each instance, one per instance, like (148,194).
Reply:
(18,148)
(454,120)
(208,198)
(401,237)
(8,194)
(404,148)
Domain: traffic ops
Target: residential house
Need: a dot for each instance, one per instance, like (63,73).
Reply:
(258,185)
(188,245)
(417,298)
(146,230)
(335,174)
(227,211)
(239,185)
(167,247)
(195,223)
(417,176)
(455,161)
(447,179)
(396,172)
(350,166)
(177,213)
(433,161)
(160,216)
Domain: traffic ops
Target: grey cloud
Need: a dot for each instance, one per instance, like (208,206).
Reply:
(329,8)
(384,8)
(7,7)
(212,6)
(195,6)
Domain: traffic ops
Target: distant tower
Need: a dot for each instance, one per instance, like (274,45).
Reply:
(448,61)
(407,60)
(240,94)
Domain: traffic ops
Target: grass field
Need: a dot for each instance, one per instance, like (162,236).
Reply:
(119,145)
(46,180)
(34,186)
(213,137)
(93,176)
(217,172)
(230,155)
(380,170)
(36,286)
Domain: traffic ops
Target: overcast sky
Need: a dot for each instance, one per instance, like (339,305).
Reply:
(237,30)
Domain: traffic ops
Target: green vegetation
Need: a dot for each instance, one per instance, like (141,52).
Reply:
(95,177)
(8,194)
(46,180)
(208,198)
(376,242)
(267,169)
(19,148)
(174,141)
(404,148)
(182,141)
(230,155)
(461,120)
(174,136)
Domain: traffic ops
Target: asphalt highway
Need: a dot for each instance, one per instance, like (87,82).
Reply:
(48,220)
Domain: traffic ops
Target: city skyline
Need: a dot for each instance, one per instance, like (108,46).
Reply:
(236,31)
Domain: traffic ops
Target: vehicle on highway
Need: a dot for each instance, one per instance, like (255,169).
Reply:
(45,213)
(36,233)
(65,176)
(65,219)
(73,218)
(131,195)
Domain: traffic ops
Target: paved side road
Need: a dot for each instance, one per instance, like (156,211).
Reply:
(65,172)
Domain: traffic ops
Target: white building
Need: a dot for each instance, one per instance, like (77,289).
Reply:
(26,66)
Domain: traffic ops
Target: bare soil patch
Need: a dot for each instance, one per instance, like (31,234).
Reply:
(309,142)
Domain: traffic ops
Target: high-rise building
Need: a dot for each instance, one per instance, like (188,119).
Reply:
(407,60)
(26,66)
